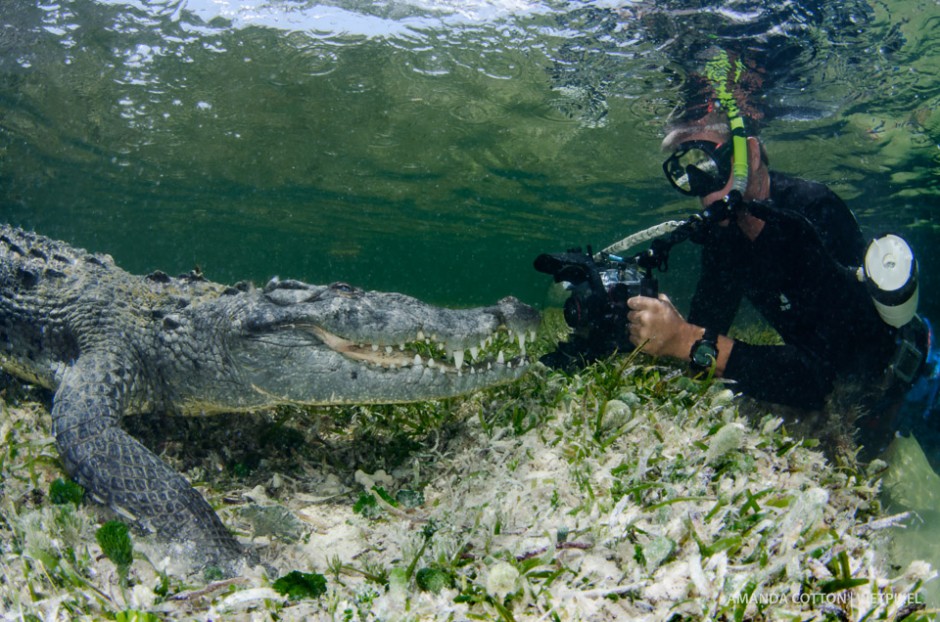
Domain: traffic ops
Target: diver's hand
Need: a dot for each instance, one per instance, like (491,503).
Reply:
(657,327)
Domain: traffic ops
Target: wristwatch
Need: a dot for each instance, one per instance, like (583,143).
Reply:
(704,352)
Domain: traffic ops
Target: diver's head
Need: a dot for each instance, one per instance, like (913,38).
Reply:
(702,158)
(701,149)
(711,151)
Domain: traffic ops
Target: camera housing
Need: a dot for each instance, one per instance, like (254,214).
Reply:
(601,285)
(597,309)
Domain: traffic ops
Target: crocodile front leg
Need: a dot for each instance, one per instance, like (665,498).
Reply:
(120,472)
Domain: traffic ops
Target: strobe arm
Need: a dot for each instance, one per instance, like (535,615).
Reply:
(656,257)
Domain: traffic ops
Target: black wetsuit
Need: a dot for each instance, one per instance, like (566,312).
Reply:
(795,275)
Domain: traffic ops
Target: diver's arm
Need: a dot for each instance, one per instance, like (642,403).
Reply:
(782,374)
(657,327)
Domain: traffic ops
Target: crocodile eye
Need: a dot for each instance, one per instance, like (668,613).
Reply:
(343,288)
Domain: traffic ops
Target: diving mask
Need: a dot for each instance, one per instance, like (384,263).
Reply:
(699,167)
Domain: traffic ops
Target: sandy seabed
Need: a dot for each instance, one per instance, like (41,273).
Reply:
(622,493)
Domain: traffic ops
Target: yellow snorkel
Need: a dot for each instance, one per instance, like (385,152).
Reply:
(724,72)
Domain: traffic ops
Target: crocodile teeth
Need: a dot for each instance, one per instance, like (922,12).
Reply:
(417,360)
(420,336)
(375,347)
(522,343)
(388,349)
(500,358)
(458,359)
(474,353)
(431,362)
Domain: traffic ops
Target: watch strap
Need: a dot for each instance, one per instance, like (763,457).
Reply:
(711,336)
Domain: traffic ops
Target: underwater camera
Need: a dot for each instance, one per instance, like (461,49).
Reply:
(601,284)
(597,306)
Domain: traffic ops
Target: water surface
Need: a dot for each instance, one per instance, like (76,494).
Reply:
(433,148)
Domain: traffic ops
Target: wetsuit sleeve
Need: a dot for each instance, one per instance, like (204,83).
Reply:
(780,374)
(784,374)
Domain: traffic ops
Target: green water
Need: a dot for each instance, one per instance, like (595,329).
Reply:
(436,149)
(436,160)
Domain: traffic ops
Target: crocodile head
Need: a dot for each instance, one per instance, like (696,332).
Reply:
(333,344)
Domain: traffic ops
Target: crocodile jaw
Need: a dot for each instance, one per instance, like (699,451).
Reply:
(328,369)
(337,344)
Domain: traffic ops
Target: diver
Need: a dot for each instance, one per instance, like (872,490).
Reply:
(788,246)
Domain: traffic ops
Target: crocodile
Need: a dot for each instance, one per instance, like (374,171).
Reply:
(108,343)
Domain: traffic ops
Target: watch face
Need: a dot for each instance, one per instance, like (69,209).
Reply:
(704,354)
